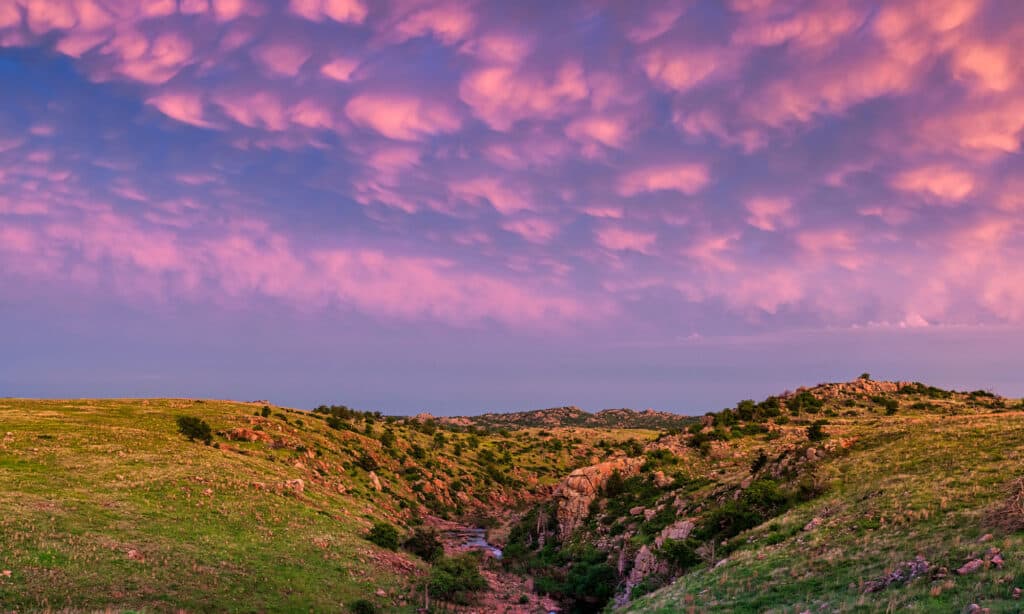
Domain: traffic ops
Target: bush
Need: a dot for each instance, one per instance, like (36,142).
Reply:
(367,462)
(424,544)
(195,428)
(615,485)
(759,462)
(680,553)
(265,412)
(814,432)
(456,578)
(362,606)
(384,535)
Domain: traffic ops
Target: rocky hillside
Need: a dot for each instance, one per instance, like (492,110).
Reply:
(866,496)
(870,495)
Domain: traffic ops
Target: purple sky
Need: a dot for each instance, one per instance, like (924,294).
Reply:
(459,206)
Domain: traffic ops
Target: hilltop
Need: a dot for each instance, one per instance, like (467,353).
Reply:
(571,416)
(855,496)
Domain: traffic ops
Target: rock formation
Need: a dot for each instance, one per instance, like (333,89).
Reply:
(577,491)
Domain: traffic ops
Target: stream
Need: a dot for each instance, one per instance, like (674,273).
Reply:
(471,538)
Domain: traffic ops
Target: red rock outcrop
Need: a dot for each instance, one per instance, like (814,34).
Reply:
(577,491)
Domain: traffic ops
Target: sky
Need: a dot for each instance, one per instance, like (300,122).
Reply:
(460,206)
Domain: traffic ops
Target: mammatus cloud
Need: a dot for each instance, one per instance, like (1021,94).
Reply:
(752,164)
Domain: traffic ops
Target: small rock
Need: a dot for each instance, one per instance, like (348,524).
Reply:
(375,481)
(813,524)
(381,592)
(7,572)
(297,485)
(997,560)
(636,511)
(970,567)
(208,492)
(984,538)
(1016,593)
(135,555)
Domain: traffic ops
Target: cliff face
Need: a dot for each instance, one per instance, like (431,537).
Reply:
(577,491)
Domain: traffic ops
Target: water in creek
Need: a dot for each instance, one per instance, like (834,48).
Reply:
(471,539)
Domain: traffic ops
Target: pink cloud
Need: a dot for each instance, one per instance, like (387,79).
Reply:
(402,117)
(938,181)
(339,69)
(343,11)
(450,22)
(183,106)
(281,59)
(499,47)
(770,214)
(533,229)
(686,178)
(504,198)
(604,129)
(501,95)
(990,66)
(681,70)
(649,23)
(620,239)
(253,109)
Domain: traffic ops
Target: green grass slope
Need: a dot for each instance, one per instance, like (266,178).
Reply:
(106,505)
(936,479)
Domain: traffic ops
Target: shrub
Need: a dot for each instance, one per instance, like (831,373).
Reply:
(759,462)
(195,428)
(384,535)
(367,462)
(804,402)
(680,553)
(814,432)
(455,578)
(865,376)
(615,485)
(362,606)
(265,412)
(387,438)
(424,544)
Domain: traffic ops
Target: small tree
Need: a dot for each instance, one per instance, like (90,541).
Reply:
(759,462)
(456,578)
(195,428)
(384,535)
(615,485)
(425,544)
(265,412)
(815,433)
(865,376)
(362,606)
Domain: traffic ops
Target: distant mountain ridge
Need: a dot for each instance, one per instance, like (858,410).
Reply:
(556,417)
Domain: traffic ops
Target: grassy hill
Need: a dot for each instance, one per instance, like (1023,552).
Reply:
(861,496)
(106,505)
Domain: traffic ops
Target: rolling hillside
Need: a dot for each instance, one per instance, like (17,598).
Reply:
(861,496)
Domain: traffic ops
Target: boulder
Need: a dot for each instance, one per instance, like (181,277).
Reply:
(679,529)
(244,434)
(297,486)
(970,567)
(645,564)
(375,481)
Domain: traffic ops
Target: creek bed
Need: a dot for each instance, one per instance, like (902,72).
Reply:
(470,538)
